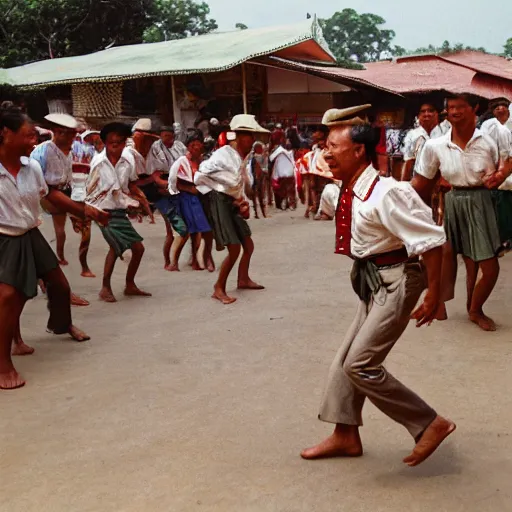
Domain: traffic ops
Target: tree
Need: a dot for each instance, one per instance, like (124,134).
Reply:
(356,38)
(32,30)
(40,29)
(446,47)
(177,19)
(241,26)
(508,48)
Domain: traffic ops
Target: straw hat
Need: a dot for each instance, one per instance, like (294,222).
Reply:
(341,117)
(246,123)
(63,120)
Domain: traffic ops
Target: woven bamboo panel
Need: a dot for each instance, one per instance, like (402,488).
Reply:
(97,99)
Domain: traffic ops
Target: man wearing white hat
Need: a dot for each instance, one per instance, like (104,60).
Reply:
(222,180)
(384,226)
(56,160)
(139,146)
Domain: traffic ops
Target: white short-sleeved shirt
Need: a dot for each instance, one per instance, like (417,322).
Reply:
(502,136)
(393,216)
(415,140)
(20,197)
(108,186)
(57,167)
(459,167)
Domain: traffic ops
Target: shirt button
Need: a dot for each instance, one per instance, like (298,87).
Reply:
(341,238)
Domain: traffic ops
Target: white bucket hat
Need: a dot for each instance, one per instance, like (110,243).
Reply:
(142,125)
(341,116)
(64,120)
(89,132)
(246,123)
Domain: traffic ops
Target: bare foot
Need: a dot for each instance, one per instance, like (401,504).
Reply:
(210,266)
(132,291)
(197,267)
(20,348)
(63,262)
(173,267)
(11,380)
(77,334)
(484,322)
(223,297)
(87,273)
(107,295)
(429,442)
(249,285)
(78,301)
(337,445)
(441,314)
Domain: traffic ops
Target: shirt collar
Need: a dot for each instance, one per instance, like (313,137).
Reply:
(102,157)
(25,162)
(365,182)
(476,135)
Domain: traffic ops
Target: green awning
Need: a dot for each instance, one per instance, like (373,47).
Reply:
(200,54)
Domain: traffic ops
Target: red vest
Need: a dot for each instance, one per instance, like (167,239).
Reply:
(344,219)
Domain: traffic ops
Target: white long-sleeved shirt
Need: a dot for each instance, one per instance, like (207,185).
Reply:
(108,186)
(393,216)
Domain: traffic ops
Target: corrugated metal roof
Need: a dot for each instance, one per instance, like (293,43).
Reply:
(201,54)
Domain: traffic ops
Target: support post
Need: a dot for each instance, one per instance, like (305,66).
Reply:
(175,109)
(244,88)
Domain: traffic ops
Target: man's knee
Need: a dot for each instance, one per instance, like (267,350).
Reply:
(138,248)
(8,295)
(57,283)
(490,267)
(359,371)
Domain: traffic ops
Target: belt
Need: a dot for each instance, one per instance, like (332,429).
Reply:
(391,258)
(470,188)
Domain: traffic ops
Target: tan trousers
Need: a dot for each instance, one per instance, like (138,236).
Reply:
(357,372)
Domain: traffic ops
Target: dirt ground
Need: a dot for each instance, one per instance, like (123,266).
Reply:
(181,404)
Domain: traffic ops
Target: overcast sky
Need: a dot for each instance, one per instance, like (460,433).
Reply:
(486,23)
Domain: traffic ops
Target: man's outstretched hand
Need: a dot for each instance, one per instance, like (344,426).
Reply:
(100,216)
(426,312)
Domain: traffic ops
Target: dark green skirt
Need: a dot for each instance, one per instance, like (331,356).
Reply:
(120,234)
(228,226)
(470,223)
(25,259)
(503,205)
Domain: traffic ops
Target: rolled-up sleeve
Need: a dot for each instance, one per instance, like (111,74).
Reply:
(428,163)
(406,216)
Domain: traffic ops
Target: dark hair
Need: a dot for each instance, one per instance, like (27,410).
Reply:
(499,102)
(324,130)
(167,129)
(472,100)
(121,129)
(367,135)
(432,103)
(195,135)
(12,118)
